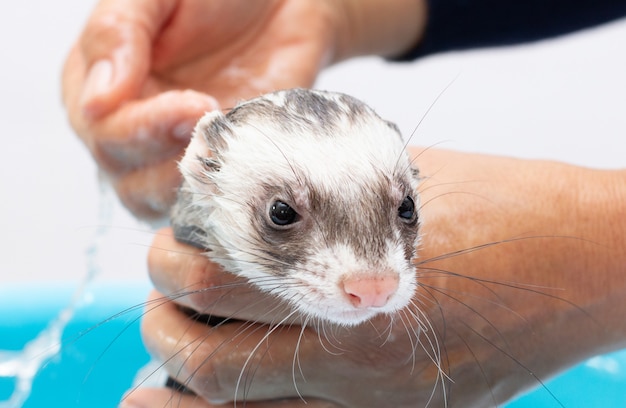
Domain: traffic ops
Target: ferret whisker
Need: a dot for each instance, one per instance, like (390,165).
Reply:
(270,330)
(433,352)
(427,328)
(425,114)
(387,332)
(148,306)
(499,303)
(249,374)
(154,303)
(321,328)
(325,341)
(170,250)
(514,285)
(174,296)
(414,343)
(413,160)
(478,247)
(208,196)
(114,317)
(413,324)
(410,166)
(430,272)
(430,182)
(114,339)
(473,310)
(424,204)
(518,362)
(331,336)
(504,348)
(243,332)
(441,346)
(480,368)
(296,360)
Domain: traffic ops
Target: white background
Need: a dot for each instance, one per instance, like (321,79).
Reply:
(562,99)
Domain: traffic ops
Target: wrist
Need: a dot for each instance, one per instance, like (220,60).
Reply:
(375,27)
(602,203)
(517,253)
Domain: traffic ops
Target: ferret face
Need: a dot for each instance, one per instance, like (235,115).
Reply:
(311,196)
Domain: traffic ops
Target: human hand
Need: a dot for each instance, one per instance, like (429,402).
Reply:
(491,306)
(143,72)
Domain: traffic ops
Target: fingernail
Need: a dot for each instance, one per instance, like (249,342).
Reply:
(98,81)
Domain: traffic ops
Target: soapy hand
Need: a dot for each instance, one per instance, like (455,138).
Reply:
(143,72)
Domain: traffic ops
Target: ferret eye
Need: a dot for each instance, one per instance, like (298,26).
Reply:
(282,214)
(407,208)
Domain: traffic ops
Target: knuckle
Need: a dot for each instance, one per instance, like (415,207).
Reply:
(202,290)
(191,352)
(143,195)
(200,366)
(105,156)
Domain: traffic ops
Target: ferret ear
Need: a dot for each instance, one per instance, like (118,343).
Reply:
(202,156)
(214,130)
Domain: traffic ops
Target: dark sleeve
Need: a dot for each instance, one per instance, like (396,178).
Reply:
(463,24)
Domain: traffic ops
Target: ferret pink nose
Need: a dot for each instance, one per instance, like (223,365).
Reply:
(372,291)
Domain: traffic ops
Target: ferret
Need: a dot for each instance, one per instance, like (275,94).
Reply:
(310,196)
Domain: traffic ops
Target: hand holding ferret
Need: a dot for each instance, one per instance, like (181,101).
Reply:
(492,278)
(143,72)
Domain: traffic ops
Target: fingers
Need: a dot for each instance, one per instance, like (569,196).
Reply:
(244,360)
(139,144)
(369,365)
(162,397)
(149,192)
(147,131)
(248,360)
(186,275)
(116,49)
(135,137)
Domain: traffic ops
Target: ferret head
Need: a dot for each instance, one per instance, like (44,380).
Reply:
(311,196)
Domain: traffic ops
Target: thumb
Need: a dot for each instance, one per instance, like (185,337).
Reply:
(116,50)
